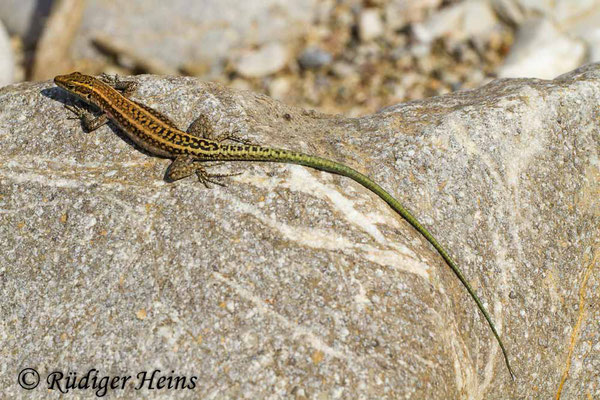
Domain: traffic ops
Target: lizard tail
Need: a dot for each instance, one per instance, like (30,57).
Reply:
(259,153)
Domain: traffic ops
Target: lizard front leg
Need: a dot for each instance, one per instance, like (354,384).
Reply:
(88,120)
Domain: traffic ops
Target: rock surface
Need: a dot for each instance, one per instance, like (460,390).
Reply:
(293,283)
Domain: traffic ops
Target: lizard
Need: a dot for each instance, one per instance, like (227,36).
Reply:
(158,135)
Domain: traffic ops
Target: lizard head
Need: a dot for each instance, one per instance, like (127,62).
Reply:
(78,84)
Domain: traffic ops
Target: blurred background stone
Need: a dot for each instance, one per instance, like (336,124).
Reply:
(7,61)
(542,51)
(347,56)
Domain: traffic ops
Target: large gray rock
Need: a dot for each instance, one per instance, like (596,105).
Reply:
(296,283)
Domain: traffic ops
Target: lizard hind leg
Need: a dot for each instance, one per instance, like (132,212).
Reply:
(184,166)
(181,167)
(202,127)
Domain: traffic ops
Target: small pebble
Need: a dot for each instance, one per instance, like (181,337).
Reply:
(541,50)
(467,19)
(264,61)
(591,37)
(240,84)
(400,13)
(343,69)
(6,58)
(279,87)
(314,57)
(479,19)
(370,24)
